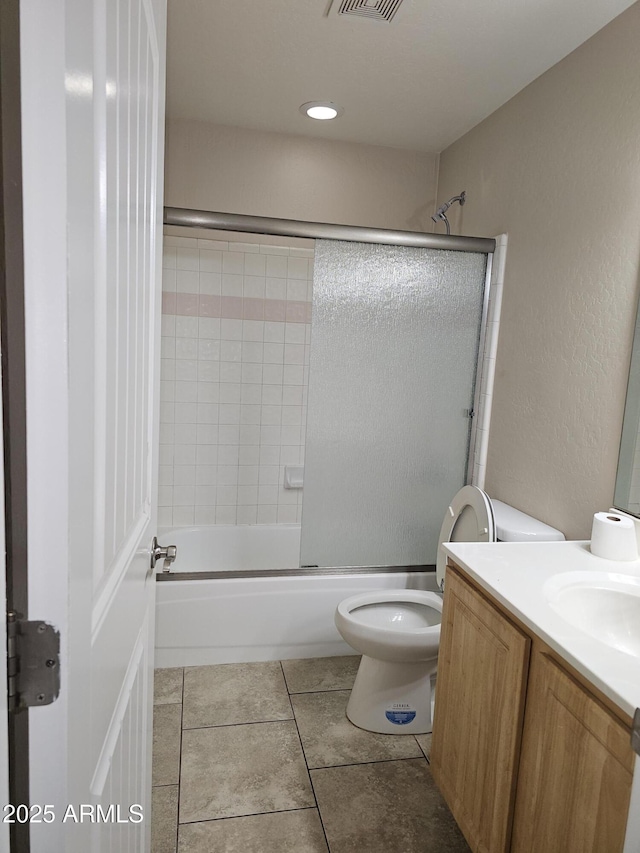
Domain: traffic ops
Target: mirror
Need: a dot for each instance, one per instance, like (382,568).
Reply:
(627,491)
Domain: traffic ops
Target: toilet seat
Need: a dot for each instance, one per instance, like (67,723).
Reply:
(374,634)
(469,518)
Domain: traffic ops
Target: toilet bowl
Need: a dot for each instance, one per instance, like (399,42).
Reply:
(398,632)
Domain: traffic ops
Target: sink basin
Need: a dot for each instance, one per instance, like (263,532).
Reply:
(602,604)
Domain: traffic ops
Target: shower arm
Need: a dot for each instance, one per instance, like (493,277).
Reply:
(440,214)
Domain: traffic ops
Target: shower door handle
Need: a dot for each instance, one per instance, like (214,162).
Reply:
(158,552)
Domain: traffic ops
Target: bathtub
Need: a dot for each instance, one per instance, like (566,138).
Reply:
(238,613)
(234,548)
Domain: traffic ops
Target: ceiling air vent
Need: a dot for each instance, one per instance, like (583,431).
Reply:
(377,10)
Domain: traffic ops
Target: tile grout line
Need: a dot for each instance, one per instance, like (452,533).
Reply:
(248,814)
(306,763)
(180,764)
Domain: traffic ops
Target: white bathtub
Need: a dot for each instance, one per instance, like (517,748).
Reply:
(234,548)
(232,620)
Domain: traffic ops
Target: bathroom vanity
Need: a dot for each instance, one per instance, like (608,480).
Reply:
(535,698)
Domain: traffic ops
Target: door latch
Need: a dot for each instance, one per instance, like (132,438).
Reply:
(158,552)
(33,663)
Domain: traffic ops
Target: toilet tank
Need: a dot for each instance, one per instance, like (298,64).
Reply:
(515,526)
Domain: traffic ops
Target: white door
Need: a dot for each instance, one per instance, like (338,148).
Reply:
(93,117)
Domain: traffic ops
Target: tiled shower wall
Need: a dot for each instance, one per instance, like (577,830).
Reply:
(236,324)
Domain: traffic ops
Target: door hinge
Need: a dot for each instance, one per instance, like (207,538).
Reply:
(635,731)
(33,663)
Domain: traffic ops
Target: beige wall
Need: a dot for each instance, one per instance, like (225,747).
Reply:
(234,170)
(558,169)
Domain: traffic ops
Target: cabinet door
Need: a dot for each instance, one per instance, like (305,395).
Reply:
(479,709)
(575,770)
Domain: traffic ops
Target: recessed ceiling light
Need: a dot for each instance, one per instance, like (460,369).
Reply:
(321,110)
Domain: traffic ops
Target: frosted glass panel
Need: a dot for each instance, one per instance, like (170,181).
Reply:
(394,341)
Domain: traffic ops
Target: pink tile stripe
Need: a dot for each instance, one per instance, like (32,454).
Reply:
(236,308)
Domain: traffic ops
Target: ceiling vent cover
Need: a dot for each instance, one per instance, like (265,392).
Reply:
(377,10)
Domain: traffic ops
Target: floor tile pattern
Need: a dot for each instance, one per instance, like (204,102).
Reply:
(260,758)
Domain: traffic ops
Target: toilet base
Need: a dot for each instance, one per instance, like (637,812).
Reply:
(393,698)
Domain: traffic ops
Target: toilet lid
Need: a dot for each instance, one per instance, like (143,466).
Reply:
(469,518)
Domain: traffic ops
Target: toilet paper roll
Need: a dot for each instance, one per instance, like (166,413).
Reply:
(613,537)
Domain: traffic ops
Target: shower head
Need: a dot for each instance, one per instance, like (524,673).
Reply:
(440,214)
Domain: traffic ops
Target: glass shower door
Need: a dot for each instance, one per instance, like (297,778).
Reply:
(394,346)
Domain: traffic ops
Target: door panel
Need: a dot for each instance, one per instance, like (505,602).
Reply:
(576,767)
(478,714)
(94,451)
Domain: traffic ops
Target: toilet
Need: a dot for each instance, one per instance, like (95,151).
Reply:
(397,632)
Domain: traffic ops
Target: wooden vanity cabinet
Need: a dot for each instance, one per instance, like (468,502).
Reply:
(528,759)
(482,671)
(575,771)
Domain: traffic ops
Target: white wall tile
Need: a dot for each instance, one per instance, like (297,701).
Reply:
(276,288)
(205,515)
(231,284)
(273,374)
(186,392)
(229,454)
(183,516)
(249,454)
(187,281)
(252,351)
(297,290)
(276,266)
(297,268)
(223,421)
(210,261)
(184,454)
(295,333)
(206,454)
(253,287)
(210,434)
(186,370)
(267,514)
(186,348)
(231,330)
(210,283)
(287,514)
(210,392)
(184,475)
(248,476)
(185,413)
(187,258)
(252,373)
(232,372)
(208,371)
(270,454)
(183,495)
(226,514)
(255,264)
(168,257)
(246,514)
(227,475)
(274,250)
(252,330)
(233,262)
(250,393)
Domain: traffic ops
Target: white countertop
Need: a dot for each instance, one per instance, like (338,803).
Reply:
(514,574)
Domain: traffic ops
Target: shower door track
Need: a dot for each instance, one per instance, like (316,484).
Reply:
(305,571)
(185,217)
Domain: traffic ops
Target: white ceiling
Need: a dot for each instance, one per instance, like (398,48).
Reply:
(419,82)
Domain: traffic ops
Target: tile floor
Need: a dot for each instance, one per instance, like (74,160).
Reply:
(260,758)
